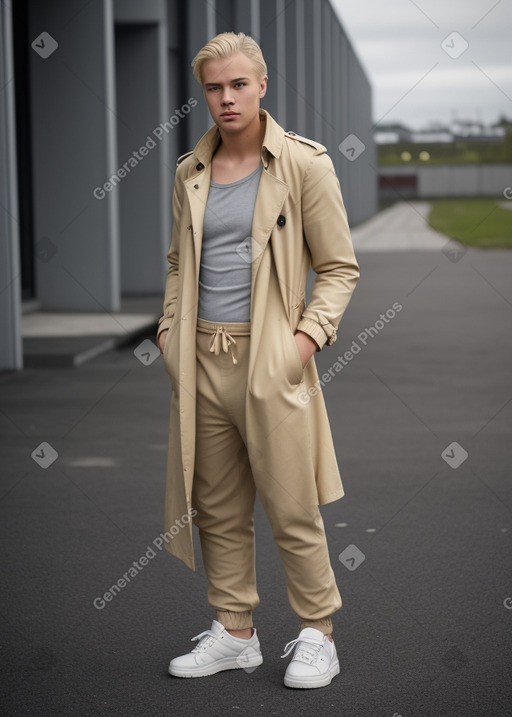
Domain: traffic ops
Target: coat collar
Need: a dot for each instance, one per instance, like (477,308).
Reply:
(272,141)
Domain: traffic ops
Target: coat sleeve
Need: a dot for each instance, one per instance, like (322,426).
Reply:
(171,284)
(327,234)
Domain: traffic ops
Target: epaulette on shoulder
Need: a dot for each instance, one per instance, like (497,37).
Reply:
(183,156)
(304,140)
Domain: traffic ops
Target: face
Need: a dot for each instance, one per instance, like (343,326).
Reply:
(232,91)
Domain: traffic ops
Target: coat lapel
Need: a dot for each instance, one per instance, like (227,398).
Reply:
(197,188)
(271,196)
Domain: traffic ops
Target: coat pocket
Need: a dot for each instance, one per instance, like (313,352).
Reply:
(293,359)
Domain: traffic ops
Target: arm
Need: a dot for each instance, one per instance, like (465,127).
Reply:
(171,284)
(327,234)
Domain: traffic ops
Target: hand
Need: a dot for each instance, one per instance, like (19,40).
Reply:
(306,345)
(161,340)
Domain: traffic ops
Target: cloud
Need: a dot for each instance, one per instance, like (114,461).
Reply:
(400,40)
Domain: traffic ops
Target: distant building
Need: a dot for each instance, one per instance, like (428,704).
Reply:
(469,131)
(432,136)
(462,130)
(392,134)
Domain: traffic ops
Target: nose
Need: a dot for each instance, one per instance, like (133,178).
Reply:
(226,96)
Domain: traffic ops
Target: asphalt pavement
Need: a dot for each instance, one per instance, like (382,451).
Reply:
(421,413)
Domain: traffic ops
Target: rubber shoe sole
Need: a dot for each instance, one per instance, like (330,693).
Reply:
(308,683)
(242,662)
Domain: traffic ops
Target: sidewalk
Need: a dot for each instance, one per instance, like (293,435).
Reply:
(420,414)
(401,227)
(69,339)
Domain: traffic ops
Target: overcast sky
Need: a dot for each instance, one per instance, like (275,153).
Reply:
(414,80)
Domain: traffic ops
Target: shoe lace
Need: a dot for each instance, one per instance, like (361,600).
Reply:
(206,639)
(307,650)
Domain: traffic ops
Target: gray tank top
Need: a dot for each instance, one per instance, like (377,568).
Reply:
(225,273)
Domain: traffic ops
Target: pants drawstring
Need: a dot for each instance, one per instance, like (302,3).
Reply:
(221,337)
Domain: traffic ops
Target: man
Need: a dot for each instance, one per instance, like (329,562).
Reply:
(253,208)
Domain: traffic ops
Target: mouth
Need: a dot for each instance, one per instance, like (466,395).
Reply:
(228,115)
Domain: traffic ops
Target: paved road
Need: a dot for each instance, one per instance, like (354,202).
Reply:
(426,624)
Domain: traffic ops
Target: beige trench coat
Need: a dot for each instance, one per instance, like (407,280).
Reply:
(299,220)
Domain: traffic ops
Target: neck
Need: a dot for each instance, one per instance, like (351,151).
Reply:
(244,144)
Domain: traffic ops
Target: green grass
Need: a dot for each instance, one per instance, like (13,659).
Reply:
(475,222)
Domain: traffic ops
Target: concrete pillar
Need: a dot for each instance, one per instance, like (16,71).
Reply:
(291,71)
(317,87)
(255,19)
(74,153)
(273,45)
(11,351)
(337,39)
(225,16)
(302,45)
(177,83)
(343,103)
(145,123)
(247,18)
(327,104)
(201,27)
(280,29)
(268,43)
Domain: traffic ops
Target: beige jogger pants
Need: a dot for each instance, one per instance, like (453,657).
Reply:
(224,492)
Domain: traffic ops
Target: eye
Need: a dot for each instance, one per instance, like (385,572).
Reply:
(240,84)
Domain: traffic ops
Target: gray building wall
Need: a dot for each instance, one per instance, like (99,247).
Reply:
(110,111)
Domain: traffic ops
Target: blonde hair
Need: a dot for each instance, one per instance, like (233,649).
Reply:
(225,45)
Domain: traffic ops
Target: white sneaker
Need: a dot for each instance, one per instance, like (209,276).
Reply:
(218,650)
(314,662)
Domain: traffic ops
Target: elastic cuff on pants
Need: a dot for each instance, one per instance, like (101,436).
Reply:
(324,625)
(235,620)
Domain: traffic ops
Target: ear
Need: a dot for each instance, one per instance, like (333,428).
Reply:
(263,86)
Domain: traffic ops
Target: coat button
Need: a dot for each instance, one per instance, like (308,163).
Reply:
(199,166)
(196,186)
(281,220)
